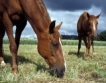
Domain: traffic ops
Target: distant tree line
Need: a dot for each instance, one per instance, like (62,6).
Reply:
(73,37)
(100,37)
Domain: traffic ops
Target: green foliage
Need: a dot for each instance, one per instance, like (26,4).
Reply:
(102,36)
(23,41)
(28,41)
(64,42)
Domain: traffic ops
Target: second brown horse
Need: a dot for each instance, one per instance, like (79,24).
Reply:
(87,30)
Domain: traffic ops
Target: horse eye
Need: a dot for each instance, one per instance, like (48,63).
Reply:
(55,44)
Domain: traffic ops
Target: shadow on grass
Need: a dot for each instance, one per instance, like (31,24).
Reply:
(81,55)
(21,59)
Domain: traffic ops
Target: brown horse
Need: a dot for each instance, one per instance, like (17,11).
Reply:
(87,30)
(49,43)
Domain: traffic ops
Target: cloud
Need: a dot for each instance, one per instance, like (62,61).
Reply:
(73,5)
(68,4)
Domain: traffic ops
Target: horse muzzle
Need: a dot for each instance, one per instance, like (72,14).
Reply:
(57,72)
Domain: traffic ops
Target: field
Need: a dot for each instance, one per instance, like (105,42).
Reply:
(33,68)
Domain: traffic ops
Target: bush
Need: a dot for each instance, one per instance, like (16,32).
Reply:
(102,36)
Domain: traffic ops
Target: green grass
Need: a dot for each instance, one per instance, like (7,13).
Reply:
(64,42)
(33,68)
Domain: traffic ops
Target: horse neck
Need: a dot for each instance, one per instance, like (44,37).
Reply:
(41,29)
(42,36)
(37,15)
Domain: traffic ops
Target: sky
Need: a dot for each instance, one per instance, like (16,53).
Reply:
(68,12)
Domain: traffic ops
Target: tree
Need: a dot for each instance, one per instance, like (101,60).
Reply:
(102,36)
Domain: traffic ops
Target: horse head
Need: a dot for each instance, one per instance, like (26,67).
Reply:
(50,48)
(92,24)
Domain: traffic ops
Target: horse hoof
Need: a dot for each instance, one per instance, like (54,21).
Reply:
(3,63)
(14,71)
(89,55)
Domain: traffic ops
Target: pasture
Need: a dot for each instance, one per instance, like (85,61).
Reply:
(33,68)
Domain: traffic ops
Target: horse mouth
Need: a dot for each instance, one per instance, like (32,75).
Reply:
(56,73)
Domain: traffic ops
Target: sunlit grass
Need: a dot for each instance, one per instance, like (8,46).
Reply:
(33,68)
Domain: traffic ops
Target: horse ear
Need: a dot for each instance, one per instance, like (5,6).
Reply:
(88,15)
(58,26)
(51,27)
(98,16)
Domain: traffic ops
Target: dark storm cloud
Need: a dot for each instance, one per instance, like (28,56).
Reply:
(72,5)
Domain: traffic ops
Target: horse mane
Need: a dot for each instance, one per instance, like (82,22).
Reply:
(44,10)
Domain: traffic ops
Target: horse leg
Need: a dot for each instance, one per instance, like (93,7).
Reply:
(89,44)
(2,32)
(19,29)
(79,44)
(13,48)
(86,44)
(92,43)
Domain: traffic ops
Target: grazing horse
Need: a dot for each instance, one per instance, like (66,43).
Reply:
(49,42)
(87,30)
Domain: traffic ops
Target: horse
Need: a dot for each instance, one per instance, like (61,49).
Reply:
(49,39)
(87,30)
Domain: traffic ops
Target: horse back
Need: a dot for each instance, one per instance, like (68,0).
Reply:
(82,23)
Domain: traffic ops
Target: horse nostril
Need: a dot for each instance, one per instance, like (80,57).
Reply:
(60,74)
(62,71)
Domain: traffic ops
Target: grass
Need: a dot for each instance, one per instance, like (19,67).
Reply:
(33,68)
(25,41)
